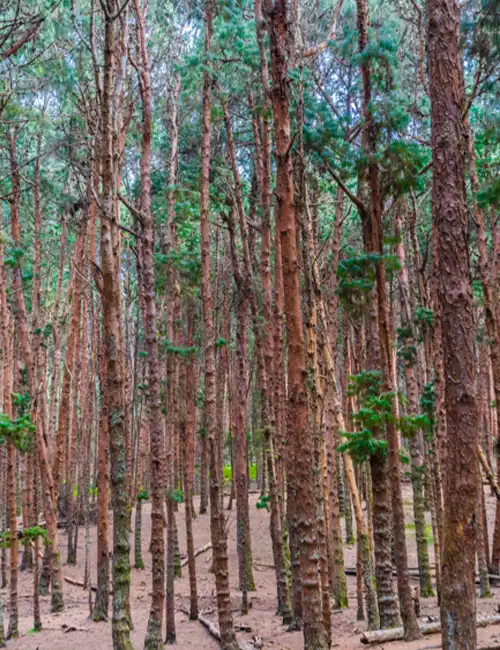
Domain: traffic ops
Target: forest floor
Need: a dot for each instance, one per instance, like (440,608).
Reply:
(73,629)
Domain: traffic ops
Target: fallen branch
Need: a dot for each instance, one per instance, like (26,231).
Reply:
(71,628)
(397,633)
(495,646)
(79,583)
(199,551)
(213,629)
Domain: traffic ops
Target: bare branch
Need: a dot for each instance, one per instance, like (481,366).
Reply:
(321,47)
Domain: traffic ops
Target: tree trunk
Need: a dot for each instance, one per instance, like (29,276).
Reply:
(188,463)
(37,396)
(121,622)
(382,515)
(13,630)
(101,604)
(218,533)
(154,638)
(458,606)
(301,484)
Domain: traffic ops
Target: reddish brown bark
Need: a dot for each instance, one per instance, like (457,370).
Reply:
(61,458)
(101,604)
(37,395)
(218,533)
(370,213)
(13,630)
(416,442)
(10,487)
(111,304)
(303,530)
(264,329)
(188,460)
(72,433)
(154,639)
(458,607)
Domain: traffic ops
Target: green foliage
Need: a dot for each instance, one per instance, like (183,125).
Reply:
(428,405)
(182,352)
(428,531)
(365,384)
(143,494)
(408,349)
(403,457)
(360,445)
(410,425)
(263,502)
(35,532)
(426,421)
(376,410)
(228,473)
(27,536)
(19,430)
(13,257)
(357,275)
(356,279)
(424,316)
(176,495)
(402,163)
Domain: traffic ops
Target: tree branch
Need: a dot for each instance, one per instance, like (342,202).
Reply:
(354,199)
(321,47)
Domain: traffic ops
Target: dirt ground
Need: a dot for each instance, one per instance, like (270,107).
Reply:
(261,619)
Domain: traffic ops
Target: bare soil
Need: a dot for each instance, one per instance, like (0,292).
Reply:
(73,630)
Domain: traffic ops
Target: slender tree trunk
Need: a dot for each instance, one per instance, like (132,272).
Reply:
(101,604)
(72,433)
(188,462)
(218,533)
(382,511)
(372,606)
(38,396)
(121,622)
(154,638)
(239,428)
(37,620)
(339,585)
(13,630)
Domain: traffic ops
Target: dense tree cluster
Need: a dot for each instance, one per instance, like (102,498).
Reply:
(251,243)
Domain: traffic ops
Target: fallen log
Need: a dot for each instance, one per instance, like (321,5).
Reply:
(213,629)
(398,633)
(199,551)
(414,574)
(495,646)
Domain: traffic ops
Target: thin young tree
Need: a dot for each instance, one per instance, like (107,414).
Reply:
(217,524)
